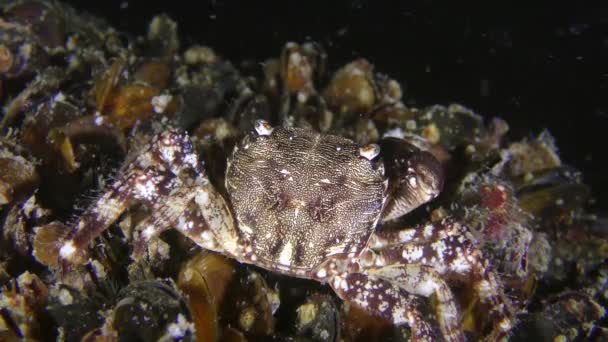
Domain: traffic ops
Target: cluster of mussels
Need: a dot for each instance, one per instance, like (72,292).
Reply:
(79,99)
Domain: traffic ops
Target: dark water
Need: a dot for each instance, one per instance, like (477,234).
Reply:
(541,66)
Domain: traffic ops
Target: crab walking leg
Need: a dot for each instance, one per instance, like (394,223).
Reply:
(168,163)
(57,243)
(388,238)
(424,281)
(163,215)
(421,233)
(454,256)
(381,298)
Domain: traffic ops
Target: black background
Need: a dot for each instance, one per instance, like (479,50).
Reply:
(541,65)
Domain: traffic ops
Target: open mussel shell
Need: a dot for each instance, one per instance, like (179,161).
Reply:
(226,300)
(204,279)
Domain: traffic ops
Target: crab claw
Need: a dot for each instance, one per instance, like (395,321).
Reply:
(415,177)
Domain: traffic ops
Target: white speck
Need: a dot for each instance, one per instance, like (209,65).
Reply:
(394,133)
(413,253)
(428,231)
(485,290)
(59,97)
(98,120)
(180,328)
(324,334)
(148,232)
(160,103)
(99,269)
(190,159)
(188,275)
(460,265)
(290,179)
(322,273)
(325,180)
(406,235)
(167,153)
(302,97)
(67,250)
(398,315)
(285,255)
(202,198)
(285,172)
(505,324)
(146,190)
(65,297)
(295,58)
(413,182)
(246,229)
(425,287)
(338,148)
(440,248)
(206,236)
(410,125)
(344,284)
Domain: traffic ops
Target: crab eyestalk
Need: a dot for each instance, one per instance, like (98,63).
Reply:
(262,127)
(414,176)
(370,151)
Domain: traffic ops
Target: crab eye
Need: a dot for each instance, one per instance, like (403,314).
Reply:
(262,127)
(370,151)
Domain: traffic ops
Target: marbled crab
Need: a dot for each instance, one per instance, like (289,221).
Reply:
(307,205)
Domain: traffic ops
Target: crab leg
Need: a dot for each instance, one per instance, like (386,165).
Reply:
(382,298)
(56,243)
(450,253)
(161,178)
(422,280)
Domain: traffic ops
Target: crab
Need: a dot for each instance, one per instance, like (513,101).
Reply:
(307,205)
